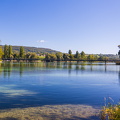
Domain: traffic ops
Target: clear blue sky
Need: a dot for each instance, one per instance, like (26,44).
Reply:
(92,26)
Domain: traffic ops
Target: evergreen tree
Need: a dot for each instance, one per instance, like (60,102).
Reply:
(70,52)
(77,55)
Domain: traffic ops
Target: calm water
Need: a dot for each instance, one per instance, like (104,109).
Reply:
(37,84)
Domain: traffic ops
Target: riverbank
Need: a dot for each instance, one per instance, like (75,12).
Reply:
(51,112)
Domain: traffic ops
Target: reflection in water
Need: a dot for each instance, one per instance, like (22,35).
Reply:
(22,66)
(56,83)
(8,67)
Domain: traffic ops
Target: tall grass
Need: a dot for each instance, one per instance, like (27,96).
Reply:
(110,111)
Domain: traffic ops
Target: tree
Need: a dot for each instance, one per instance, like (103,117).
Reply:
(119,53)
(66,57)
(1,52)
(53,57)
(70,52)
(59,56)
(47,57)
(28,55)
(83,56)
(22,52)
(6,51)
(77,55)
(91,57)
(16,55)
(70,55)
(10,52)
(33,55)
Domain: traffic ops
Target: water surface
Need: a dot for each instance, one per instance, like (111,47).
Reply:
(38,84)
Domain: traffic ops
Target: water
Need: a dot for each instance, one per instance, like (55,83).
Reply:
(37,84)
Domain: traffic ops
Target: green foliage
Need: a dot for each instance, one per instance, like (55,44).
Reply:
(71,56)
(59,56)
(91,57)
(1,52)
(22,52)
(53,57)
(83,56)
(66,57)
(70,52)
(77,55)
(16,55)
(103,58)
(10,54)
(47,57)
(33,55)
(41,57)
(50,57)
(6,51)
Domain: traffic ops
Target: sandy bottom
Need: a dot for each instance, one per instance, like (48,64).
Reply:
(51,112)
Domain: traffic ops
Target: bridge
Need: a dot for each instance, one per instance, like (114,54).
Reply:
(105,61)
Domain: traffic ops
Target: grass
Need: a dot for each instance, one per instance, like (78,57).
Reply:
(110,111)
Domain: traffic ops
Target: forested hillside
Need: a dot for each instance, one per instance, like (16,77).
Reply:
(34,49)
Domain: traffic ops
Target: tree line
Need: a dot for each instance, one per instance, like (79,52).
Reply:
(69,56)
(7,53)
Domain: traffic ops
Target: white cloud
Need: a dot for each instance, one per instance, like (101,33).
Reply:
(41,41)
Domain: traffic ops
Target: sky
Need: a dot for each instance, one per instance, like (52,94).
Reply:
(92,26)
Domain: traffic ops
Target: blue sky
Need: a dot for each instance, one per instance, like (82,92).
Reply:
(92,26)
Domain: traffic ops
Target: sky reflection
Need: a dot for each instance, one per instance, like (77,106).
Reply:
(36,84)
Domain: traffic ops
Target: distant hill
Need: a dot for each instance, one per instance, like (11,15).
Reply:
(34,49)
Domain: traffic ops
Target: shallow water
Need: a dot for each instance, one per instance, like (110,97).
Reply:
(37,84)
